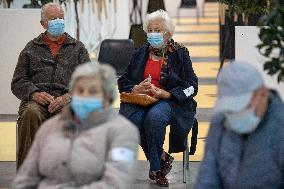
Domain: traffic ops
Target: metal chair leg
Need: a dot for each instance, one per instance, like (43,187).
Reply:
(185,163)
(187,159)
(17,139)
(197,15)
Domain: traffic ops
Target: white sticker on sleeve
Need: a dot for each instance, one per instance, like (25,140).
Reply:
(123,154)
(188,91)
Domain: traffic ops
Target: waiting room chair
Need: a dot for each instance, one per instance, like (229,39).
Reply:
(188,152)
(17,138)
(187,4)
(185,165)
(117,53)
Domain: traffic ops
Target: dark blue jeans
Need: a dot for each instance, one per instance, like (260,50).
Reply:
(152,124)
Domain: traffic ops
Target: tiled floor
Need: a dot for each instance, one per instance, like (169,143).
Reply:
(205,20)
(196,28)
(197,38)
(201,51)
(7,141)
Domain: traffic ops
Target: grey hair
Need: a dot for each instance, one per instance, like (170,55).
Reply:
(46,7)
(160,15)
(92,69)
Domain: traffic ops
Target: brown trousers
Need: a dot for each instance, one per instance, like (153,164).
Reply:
(31,116)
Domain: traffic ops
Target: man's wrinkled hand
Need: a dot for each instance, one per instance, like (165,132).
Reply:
(56,104)
(59,102)
(42,98)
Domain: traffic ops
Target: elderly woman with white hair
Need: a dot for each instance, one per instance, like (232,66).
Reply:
(161,68)
(87,145)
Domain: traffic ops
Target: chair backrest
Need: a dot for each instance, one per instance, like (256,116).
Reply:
(187,4)
(138,35)
(117,53)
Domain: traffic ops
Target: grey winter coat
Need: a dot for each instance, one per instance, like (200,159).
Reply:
(98,154)
(255,161)
(38,71)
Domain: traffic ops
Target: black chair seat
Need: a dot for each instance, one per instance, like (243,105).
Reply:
(188,4)
(117,53)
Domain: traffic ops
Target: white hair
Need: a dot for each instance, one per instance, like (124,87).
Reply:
(46,7)
(92,69)
(160,15)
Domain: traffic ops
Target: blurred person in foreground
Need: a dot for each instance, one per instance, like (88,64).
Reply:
(161,68)
(42,75)
(245,144)
(87,145)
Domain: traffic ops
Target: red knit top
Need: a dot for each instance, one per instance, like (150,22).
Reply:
(153,68)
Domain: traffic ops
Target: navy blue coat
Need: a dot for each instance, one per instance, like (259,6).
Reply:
(181,77)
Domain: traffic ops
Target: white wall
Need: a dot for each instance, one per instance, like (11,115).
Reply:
(246,41)
(18,26)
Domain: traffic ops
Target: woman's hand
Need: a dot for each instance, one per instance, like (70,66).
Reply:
(143,88)
(160,93)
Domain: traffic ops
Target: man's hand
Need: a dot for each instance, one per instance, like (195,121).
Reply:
(143,88)
(160,93)
(42,98)
(59,103)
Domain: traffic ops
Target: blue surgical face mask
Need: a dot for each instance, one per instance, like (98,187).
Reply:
(243,122)
(156,40)
(56,27)
(83,106)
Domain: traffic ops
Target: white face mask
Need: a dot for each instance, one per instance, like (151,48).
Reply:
(243,122)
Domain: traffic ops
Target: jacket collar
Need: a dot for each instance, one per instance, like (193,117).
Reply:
(68,40)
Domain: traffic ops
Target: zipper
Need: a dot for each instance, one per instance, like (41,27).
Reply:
(244,139)
(72,138)
(54,67)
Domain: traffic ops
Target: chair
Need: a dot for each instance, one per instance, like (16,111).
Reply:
(117,53)
(17,139)
(185,165)
(188,152)
(187,4)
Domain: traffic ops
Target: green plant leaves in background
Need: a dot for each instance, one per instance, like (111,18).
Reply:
(272,40)
(247,7)
(271,30)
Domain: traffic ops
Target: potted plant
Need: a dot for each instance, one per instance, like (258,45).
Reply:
(272,40)
(238,13)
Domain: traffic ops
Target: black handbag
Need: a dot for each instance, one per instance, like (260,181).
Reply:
(136,32)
